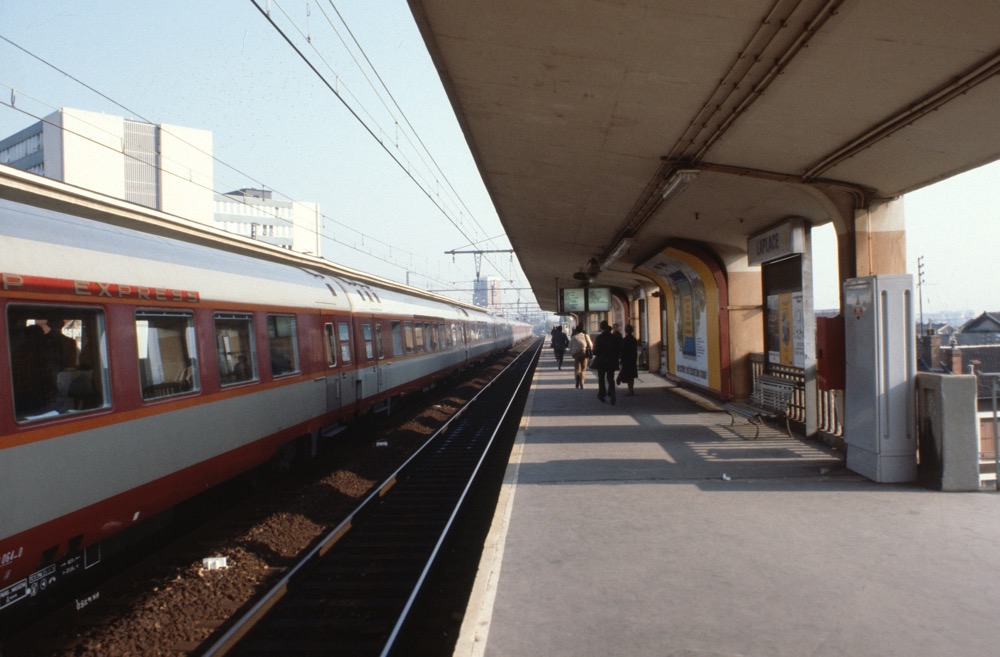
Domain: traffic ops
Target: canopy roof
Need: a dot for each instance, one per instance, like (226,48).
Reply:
(580,113)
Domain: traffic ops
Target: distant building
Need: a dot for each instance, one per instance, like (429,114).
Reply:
(166,168)
(488,293)
(254,213)
(972,349)
(163,167)
(983,329)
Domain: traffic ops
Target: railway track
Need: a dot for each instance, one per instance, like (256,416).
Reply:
(168,604)
(356,590)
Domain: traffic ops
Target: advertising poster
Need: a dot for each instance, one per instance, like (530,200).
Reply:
(786,348)
(785,330)
(692,325)
(690,347)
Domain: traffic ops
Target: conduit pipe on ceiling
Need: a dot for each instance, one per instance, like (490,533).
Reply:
(973,77)
(810,29)
(770,26)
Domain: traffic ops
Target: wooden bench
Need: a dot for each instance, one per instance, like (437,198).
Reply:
(769,400)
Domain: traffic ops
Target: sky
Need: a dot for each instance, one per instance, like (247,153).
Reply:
(391,170)
(397,185)
(954,226)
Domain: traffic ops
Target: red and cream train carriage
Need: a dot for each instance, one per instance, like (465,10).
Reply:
(147,359)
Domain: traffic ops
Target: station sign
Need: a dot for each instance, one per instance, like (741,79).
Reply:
(586,299)
(599,299)
(574,300)
(780,241)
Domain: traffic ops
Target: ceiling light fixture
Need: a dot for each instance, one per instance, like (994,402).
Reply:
(624,244)
(681,179)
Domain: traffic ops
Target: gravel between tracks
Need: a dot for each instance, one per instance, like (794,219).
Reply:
(174,605)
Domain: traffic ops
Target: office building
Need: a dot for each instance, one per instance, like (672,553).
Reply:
(163,167)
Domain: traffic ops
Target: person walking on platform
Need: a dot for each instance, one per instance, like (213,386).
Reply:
(581,349)
(607,349)
(559,344)
(630,359)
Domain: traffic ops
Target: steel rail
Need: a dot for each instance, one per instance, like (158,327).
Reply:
(232,637)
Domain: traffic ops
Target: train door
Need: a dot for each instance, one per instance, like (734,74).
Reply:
(340,385)
(333,384)
(383,363)
(368,353)
(465,337)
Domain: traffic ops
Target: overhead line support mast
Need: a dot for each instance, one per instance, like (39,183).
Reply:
(479,255)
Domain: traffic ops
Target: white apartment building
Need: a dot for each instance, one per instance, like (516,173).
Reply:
(487,293)
(163,167)
(254,213)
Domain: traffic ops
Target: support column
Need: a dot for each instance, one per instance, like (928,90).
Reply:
(879,245)
(746,322)
(809,338)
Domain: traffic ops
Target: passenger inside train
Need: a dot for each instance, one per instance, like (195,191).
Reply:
(52,360)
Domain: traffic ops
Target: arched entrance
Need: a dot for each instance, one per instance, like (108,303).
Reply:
(696,326)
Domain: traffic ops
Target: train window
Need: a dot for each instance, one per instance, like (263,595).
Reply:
(235,350)
(418,337)
(366,330)
(331,345)
(168,355)
(408,336)
(344,335)
(428,341)
(378,341)
(59,360)
(397,338)
(283,343)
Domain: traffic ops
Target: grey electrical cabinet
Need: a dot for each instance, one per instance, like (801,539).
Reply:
(880,360)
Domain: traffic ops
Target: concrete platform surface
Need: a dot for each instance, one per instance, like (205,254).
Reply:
(653,527)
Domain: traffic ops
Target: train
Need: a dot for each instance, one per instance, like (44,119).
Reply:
(149,358)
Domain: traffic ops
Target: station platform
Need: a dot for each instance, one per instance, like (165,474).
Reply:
(653,527)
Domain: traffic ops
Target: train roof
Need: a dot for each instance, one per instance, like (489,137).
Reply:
(88,234)
(366,298)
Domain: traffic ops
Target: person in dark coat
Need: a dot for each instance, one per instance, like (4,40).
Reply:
(630,359)
(607,349)
(559,343)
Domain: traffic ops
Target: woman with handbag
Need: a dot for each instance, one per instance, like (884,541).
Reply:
(582,349)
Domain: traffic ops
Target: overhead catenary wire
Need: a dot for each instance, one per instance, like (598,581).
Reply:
(139,116)
(354,113)
(272,214)
(299,52)
(430,186)
(402,113)
(214,158)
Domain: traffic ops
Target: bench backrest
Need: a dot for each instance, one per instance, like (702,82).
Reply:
(772,393)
